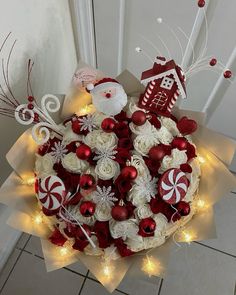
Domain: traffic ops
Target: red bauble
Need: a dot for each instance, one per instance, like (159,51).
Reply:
(201,3)
(139,118)
(87,208)
(119,213)
(183,208)
(76,126)
(213,62)
(227,74)
(30,106)
(157,153)
(147,226)
(129,172)
(80,235)
(186,126)
(108,125)
(180,143)
(83,152)
(86,181)
(30,99)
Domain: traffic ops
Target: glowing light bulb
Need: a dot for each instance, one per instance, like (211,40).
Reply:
(201,159)
(151,266)
(29,181)
(188,237)
(38,219)
(106,270)
(63,251)
(201,204)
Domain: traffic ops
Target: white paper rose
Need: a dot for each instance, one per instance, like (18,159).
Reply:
(44,165)
(161,224)
(107,169)
(170,125)
(194,181)
(143,143)
(176,158)
(123,229)
(136,197)
(164,135)
(99,138)
(153,242)
(73,164)
(136,244)
(143,211)
(70,136)
(103,212)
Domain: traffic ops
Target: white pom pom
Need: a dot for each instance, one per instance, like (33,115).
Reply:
(90,87)
(159,20)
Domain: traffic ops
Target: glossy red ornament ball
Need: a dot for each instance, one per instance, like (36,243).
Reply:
(86,181)
(180,143)
(139,118)
(108,125)
(183,208)
(129,172)
(147,226)
(213,62)
(80,235)
(83,152)
(87,208)
(157,153)
(227,74)
(119,213)
(201,3)
(76,126)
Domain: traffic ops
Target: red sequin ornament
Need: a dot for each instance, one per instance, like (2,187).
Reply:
(87,208)
(129,172)
(87,181)
(83,152)
(139,118)
(108,125)
(119,213)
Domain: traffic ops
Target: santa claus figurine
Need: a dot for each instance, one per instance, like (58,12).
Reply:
(108,96)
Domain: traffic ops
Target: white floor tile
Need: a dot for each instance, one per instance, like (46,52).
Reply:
(8,267)
(225,219)
(22,240)
(94,288)
(29,277)
(197,270)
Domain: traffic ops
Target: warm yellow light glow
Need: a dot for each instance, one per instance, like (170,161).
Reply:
(38,219)
(107,270)
(86,110)
(188,237)
(201,204)
(29,181)
(201,159)
(63,251)
(151,266)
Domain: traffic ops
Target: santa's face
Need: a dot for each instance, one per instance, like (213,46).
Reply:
(110,100)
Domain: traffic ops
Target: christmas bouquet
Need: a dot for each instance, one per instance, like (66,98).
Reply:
(120,177)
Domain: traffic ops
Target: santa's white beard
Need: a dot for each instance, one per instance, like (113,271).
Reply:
(110,106)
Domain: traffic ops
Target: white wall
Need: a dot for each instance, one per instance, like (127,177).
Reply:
(44,33)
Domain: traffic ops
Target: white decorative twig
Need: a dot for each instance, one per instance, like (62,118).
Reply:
(31,113)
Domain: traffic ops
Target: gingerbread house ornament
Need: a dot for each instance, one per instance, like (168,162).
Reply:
(165,83)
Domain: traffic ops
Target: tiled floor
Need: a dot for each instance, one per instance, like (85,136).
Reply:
(207,268)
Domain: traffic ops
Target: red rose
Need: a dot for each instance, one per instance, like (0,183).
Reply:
(121,116)
(101,228)
(123,248)
(122,129)
(80,245)
(153,166)
(71,180)
(159,206)
(71,147)
(130,207)
(70,230)
(186,168)
(154,121)
(191,151)
(125,143)
(47,147)
(75,199)
(105,183)
(123,184)
(122,156)
(57,238)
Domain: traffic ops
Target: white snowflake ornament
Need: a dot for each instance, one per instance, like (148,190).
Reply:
(58,151)
(87,123)
(104,196)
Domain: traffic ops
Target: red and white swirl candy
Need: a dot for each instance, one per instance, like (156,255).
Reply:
(51,192)
(173,186)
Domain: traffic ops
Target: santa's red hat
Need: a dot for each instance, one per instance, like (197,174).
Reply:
(102,84)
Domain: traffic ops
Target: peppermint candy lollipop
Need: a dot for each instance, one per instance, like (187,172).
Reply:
(51,193)
(173,186)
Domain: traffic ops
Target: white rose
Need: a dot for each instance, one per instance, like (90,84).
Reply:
(153,242)
(161,224)
(164,135)
(107,169)
(103,212)
(170,125)
(143,211)
(73,164)
(176,158)
(99,138)
(123,229)
(143,143)
(136,197)
(138,162)
(44,165)
(136,244)
(98,118)
(194,181)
